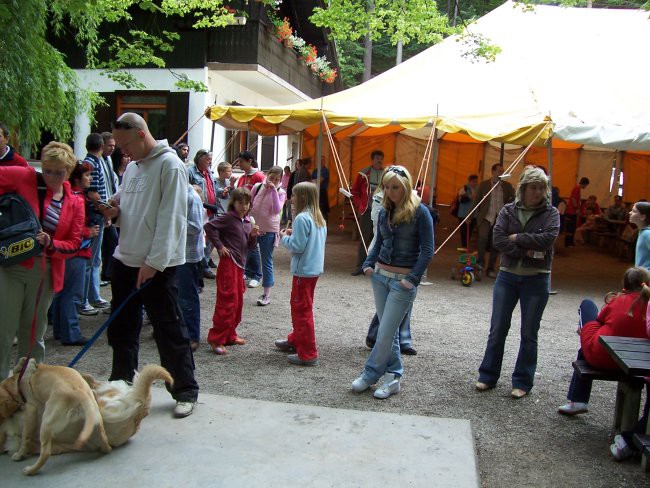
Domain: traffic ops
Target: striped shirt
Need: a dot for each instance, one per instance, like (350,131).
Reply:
(52,216)
(97,179)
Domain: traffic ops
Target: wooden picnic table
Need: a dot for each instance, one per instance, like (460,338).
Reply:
(632,355)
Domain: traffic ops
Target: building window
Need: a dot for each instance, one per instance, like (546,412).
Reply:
(151,106)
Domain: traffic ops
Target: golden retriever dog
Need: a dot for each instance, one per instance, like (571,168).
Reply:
(55,396)
(122,408)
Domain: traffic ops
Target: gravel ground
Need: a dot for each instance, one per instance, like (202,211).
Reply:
(519,443)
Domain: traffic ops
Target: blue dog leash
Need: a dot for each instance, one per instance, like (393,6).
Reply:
(99,332)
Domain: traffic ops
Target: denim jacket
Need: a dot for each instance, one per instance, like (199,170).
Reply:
(408,245)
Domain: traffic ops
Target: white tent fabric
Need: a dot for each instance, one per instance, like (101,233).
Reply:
(583,68)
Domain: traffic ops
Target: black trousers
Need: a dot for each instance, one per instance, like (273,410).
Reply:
(160,299)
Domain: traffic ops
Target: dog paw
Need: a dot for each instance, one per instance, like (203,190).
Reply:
(16,456)
(29,470)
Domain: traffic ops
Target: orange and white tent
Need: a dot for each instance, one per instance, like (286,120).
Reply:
(573,74)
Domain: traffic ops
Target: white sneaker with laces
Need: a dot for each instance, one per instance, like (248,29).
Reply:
(359,385)
(88,310)
(263,300)
(183,409)
(573,408)
(253,284)
(101,304)
(620,450)
(390,386)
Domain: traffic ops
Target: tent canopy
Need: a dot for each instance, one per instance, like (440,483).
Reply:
(579,69)
(555,63)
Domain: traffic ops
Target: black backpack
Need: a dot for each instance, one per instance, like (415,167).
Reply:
(19,226)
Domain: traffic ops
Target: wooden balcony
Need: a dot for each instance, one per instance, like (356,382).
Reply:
(254,43)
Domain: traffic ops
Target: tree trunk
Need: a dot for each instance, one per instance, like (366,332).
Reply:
(367,44)
(398,58)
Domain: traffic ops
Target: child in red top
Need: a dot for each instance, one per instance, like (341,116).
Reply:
(233,235)
(624,314)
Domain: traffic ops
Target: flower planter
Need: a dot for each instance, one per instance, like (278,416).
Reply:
(288,43)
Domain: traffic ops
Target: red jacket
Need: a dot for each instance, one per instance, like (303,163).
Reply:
(85,233)
(12,158)
(613,320)
(361,191)
(67,237)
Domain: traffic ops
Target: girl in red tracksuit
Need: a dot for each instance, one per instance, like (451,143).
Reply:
(306,241)
(233,235)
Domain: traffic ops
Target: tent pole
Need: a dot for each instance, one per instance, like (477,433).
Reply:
(434,165)
(549,157)
(214,127)
(501,154)
(319,152)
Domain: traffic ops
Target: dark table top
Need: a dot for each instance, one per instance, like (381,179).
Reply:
(631,354)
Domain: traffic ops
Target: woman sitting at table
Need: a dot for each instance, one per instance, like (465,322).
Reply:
(624,314)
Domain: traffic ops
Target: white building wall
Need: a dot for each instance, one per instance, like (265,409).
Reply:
(221,90)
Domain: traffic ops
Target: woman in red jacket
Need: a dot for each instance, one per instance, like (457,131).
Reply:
(624,314)
(60,237)
(65,320)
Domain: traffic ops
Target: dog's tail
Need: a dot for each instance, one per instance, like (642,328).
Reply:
(145,378)
(92,418)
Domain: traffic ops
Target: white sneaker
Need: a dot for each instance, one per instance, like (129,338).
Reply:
(88,310)
(390,386)
(101,304)
(263,300)
(359,385)
(620,450)
(573,408)
(253,284)
(183,409)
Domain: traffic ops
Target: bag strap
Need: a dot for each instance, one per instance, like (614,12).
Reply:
(255,190)
(41,188)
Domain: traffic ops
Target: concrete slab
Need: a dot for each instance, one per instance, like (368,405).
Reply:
(250,443)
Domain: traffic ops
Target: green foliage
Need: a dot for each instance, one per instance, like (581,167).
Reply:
(404,20)
(40,92)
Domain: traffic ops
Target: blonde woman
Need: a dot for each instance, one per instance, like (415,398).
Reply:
(306,241)
(396,262)
(524,234)
(60,237)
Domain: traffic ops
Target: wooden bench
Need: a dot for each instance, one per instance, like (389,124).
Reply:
(628,392)
(642,442)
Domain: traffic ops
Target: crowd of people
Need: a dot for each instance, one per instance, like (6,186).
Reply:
(151,229)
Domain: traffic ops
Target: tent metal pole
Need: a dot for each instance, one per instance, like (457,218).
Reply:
(434,165)
(319,152)
(549,157)
(501,152)
(214,127)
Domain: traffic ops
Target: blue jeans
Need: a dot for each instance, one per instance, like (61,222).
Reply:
(532,293)
(187,280)
(253,268)
(93,265)
(404,330)
(393,302)
(580,388)
(68,300)
(266,244)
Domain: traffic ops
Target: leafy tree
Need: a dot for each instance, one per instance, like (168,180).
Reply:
(41,93)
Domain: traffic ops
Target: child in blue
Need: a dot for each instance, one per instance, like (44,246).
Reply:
(399,257)
(306,241)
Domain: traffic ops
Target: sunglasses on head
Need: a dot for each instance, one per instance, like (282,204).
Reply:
(396,170)
(122,125)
